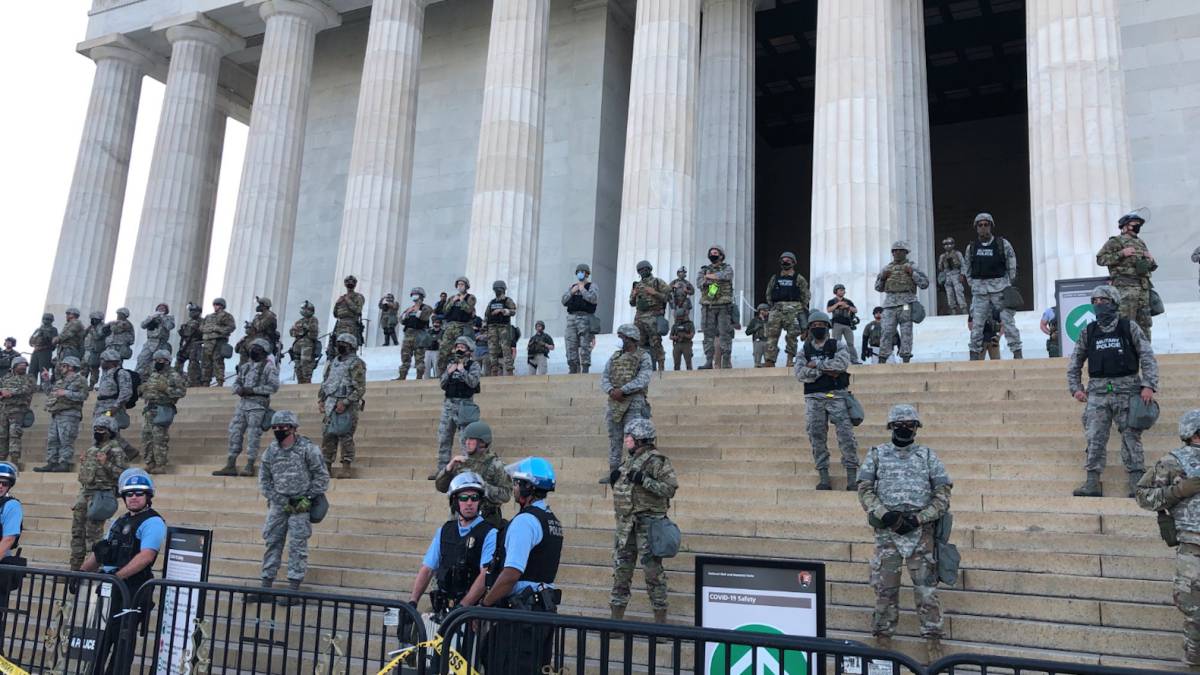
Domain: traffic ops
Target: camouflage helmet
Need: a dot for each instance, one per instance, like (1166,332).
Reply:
(123,312)
(465,340)
(539,322)
(193,308)
(284,418)
(763,306)
(644,265)
(73,310)
(1106,291)
(307,309)
(18,361)
(106,422)
(264,345)
(466,281)
(903,412)
(1129,218)
(98,316)
(839,287)
(478,430)
(72,361)
(641,429)
(901,245)
(948,241)
(630,331)
(720,249)
(162,355)
(265,302)
(111,354)
(346,338)
(1189,425)
(817,316)
(49,318)
(682,270)
(788,254)
(350,280)
(417,290)
(499,285)
(583,267)
(984,217)
(221,302)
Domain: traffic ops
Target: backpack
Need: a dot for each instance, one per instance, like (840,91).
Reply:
(135,383)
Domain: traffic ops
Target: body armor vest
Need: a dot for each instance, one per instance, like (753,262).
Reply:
(460,558)
(542,566)
(1111,354)
(576,303)
(825,382)
(988,260)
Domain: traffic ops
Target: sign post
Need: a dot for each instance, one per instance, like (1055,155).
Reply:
(1073,297)
(186,559)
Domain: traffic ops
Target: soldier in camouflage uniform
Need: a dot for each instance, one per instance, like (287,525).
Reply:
(952,276)
(822,370)
(158,327)
(991,268)
(626,380)
(416,325)
(187,360)
(479,458)
(99,468)
(389,311)
(305,346)
(16,391)
(65,405)
(1129,266)
(683,333)
(580,300)
(538,349)
(898,281)
(93,345)
(7,355)
(460,381)
(498,318)
(682,291)
(70,340)
(293,475)
(113,391)
(642,488)
(905,490)
(458,320)
(163,388)
(255,382)
(343,389)
(42,341)
(1121,365)
(788,297)
(264,326)
(1171,487)
(347,315)
(215,330)
(649,296)
(715,282)
(119,335)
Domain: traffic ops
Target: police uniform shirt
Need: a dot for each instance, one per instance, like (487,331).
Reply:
(434,554)
(151,533)
(523,533)
(10,521)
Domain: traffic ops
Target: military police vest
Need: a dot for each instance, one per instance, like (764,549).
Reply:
(988,261)
(456,387)
(824,383)
(1112,354)
(576,303)
(413,320)
(786,289)
(1187,512)
(498,303)
(457,311)
(902,477)
(460,558)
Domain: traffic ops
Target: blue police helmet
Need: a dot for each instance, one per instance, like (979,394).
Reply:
(8,472)
(534,470)
(135,479)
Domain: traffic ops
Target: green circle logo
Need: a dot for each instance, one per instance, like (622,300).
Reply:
(1078,319)
(741,660)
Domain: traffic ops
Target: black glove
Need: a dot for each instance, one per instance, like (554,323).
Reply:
(908,523)
(613,476)
(890,519)
(638,477)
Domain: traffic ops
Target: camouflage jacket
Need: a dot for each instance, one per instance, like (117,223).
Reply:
(77,390)
(649,296)
(682,291)
(720,291)
(839,363)
(120,333)
(217,326)
(93,344)
(21,387)
(163,387)
(345,381)
(72,334)
(306,329)
(1126,271)
(298,471)
(683,331)
(423,312)
(349,306)
(588,292)
(757,328)
(899,283)
(97,475)
(113,389)
(801,283)
(1154,491)
(189,336)
(951,261)
(539,343)
(43,338)
(470,376)
(158,327)
(653,496)
(1147,364)
(908,480)
(630,372)
(389,314)
(497,485)
(257,380)
(467,304)
(263,325)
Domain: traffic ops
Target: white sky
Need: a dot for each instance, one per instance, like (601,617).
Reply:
(48,87)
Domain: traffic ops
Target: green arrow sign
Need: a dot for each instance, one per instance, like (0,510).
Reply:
(741,659)
(1078,319)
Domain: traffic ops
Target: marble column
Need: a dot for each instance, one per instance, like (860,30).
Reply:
(914,178)
(172,241)
(87,244)
(264,224)
(1079,157)
(198,270)
(658,196)
(855,187)
(726,142)
(506,207)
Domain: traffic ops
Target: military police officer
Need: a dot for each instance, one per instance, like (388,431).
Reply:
(65,405)
(114,391)
(461,550)
(642,489)
(757,330)
(952,276)
(844,314)
(99,468)
(905,490)
(822,370)
(215,330)
(788,297)
(158,327)
(415,320)
(499,316)
(991,267)
(715,282)
(649,296)
(16,392)
(626,380)
(264,326)
(347,314)
(479,460)
(256,381)
(304,349)
(1121,365)
(683,335)
(581,300)
(682,291)
(458,320)
(1129,266)
(161,391)
(898,281)
(340,399)
(119,334)
(460,381)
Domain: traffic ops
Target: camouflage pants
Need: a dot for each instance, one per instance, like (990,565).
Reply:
(499,339)
(155,439)
(448,426)
(651,341)
(783,318)
(293,528)
(84,533)
(145,359)
(717,322)
(896,318)
(330,442)
(60,437)
(982,306)
(579,342)
(885,580)
(211,362)
(1101,411)
(408,349)
(956,298)
(638,407)
(631,544)
(1187,599)
(245,428)
(822,410)
(452,331)
(1135,306)
(682,350)
(389,337)
(845,334)
(11,432)
(306,361)
(1053,348)
(91,374)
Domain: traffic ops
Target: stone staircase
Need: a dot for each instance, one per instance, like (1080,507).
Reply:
(1045,574)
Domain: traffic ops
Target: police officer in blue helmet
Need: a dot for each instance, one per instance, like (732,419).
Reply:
(11,522)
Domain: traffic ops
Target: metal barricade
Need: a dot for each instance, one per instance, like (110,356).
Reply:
(196,628)
(984,664)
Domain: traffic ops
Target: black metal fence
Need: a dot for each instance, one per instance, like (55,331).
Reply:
(983,664)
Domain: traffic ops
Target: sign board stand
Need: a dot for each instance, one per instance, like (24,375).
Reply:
(1073,297)
(186,558)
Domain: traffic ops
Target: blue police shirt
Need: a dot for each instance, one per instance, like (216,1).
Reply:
(152,532)
(434,554)
(10,521)
(523,534)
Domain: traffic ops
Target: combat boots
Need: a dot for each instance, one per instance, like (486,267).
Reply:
(248,470)
(288,600)
(933,650)
(1017,354)
(1134,478)
(1090,487)
(230,468)
(976,356)
(660,616)
(823,483)
(883,642)
(851,480)
(50,467)
(616,612)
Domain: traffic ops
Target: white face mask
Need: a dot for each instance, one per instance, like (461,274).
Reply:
(415,298)
(461,289)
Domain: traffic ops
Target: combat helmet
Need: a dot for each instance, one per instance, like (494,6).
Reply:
(478,430)
(641,429)
(903,412)
(630,331)
(1189,425)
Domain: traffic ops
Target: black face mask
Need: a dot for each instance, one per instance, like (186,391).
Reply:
(819,332)
(280,435)
(259,355)
(95,322)
(903,436)
(343,350)
(714,258)
(787,265)
(460,354)
(1106,313)
(499,293)
(645,273)
(160,367)
(99,436)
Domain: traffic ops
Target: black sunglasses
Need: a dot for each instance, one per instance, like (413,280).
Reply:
(135,493)
(469,498)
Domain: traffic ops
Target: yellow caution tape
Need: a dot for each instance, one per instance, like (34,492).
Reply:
(9,668)
(458,663)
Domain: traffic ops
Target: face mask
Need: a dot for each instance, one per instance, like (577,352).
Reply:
(1106,313)
(899,256)
(714,258)
(787,265)
(461,289)
(160,367)
(415,298)
(903,437)
(343,350)
(258,355)
(462,354)
(280,434)
(100,436)
(819,332)
(499,292)
(580,276)
(95,322)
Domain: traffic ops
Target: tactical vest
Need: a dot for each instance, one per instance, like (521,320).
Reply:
(338,381)
(494,305)
(988,261)
(1187,512)
(576,303)
(542,565)
(825,382)
(457,311)
(630,499)
(899,281)
(950,261)
(460,558)
(1111,355)
(902,478)
(122,544)
(719,292)
(456,387)
(624,367)
(413,321)
(785,289)
(1129,266)
(841,317)
(646,303)
(4,503)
